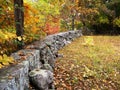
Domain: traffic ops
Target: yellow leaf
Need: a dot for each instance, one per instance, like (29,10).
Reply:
(5,56)
(19,38)
(1,66)
(10,60)
(6,60)
(1,58)
(5,63)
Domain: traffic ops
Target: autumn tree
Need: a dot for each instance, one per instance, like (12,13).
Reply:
(48,13)
(6,13)
(78,12)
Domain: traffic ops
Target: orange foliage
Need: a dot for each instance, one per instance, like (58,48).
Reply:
(53,27)
(49,29)
(31,18)
(7,16)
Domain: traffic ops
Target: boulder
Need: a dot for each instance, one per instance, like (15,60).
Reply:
(41,79)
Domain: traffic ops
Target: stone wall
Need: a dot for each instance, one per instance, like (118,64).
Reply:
(37,57)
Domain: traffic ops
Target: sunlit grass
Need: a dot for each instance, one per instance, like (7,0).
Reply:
(96,57)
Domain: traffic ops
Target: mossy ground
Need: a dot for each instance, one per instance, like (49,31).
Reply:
(89,63)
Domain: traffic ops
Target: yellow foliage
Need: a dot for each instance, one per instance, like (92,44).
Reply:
(5,60)
(31,19)
(34,29)
(1,66)
(88,41)
(4,36)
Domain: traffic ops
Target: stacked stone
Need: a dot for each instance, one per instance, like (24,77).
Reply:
(35,64)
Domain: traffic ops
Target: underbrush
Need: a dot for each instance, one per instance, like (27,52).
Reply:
(89,63)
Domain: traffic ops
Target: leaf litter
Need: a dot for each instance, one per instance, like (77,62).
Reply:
(89,63)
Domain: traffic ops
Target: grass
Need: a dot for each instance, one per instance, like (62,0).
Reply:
(89,63)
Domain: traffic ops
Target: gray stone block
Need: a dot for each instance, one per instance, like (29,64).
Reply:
(42,79)
(47,67)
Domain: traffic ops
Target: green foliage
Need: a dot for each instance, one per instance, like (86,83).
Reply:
(79,24)
(116,22)
(115,6)
(46,8)
(103,20)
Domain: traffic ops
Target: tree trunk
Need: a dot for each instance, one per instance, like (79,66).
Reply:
(73,22)
(19,21)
